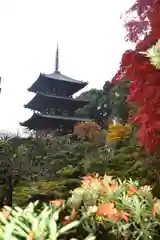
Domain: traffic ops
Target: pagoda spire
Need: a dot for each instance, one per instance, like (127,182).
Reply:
(57,59)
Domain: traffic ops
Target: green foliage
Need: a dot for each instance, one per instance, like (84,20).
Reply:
(101,208)
(56,165)
(42,162)
(24,189)
(31,223)
(121,210)
(120,108)
(90,109)
(154,54)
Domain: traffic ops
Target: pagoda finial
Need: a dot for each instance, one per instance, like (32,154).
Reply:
(57,59)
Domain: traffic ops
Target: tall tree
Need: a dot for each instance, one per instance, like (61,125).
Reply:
(144,88)
(113,103)
(99,106)
(106,104)
(119,105)
(90,110)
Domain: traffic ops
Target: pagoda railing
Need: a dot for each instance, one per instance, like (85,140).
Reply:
(57,112)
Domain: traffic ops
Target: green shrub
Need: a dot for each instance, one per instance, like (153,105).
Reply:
(120,210)
(102,207)
(50,162)
(23,190)
(32,223)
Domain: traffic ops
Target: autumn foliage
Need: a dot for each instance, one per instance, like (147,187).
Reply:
(90,130)
(117,132)
(145,85)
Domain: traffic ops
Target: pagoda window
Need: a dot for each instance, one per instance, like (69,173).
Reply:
(50,111)
(50,91)
(65,113)
(57,112)
(44,111)
(53,91)
(61,92)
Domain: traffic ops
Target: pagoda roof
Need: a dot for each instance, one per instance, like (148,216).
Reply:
(42,121)
(43,101)
(61,77)
(54,79)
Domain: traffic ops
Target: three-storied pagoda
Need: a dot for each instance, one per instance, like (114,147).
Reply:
(53,104)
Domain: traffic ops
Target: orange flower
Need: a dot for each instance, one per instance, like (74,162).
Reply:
(132,190)
(108,210)
(156,208)
(124,216)
(114,186)
(74,214)
(158,45)
(87,180)
(105,209)
(57,203)
(31,236)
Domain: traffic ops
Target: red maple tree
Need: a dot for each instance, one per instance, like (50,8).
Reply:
(143,29)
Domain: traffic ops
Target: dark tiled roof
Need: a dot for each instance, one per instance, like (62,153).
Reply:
(58,76)
(61,98)
(57,99)
(33,121)
(54,79)
(47,116)
(78,119)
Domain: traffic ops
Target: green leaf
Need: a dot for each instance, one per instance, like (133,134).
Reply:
(56,215)
(8,231)
(53,229)
(90,237)
(68,227)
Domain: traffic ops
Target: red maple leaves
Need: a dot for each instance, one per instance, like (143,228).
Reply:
(145,78)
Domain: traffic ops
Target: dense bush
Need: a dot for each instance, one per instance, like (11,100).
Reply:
(120,209)
(46,165)
(49,222)
(39,164)
(100,207)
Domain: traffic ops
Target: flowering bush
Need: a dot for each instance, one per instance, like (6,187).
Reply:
(102,208)
(123,210)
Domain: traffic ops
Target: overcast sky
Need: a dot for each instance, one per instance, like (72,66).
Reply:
(91,40)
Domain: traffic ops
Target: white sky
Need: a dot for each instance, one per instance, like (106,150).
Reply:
(91,41)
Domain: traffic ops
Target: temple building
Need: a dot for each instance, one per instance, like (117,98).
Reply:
(53,104)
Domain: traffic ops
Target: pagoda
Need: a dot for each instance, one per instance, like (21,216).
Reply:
(53,104)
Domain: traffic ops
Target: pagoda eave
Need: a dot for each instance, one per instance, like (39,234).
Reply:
(43,101)
(42,122)
(56,79)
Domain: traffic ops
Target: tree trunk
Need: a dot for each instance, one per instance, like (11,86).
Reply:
(9,191)
(3,195)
